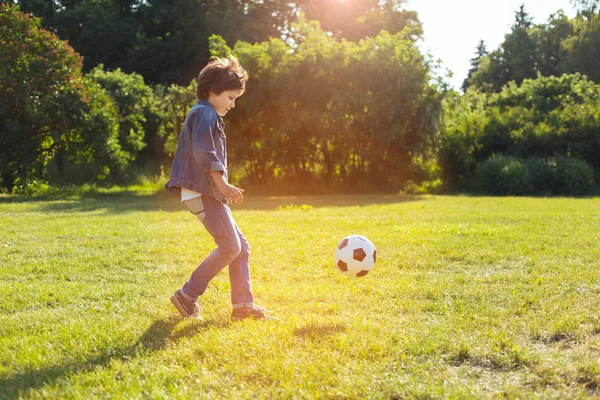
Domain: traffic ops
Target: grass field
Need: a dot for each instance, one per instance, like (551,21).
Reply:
(471,297)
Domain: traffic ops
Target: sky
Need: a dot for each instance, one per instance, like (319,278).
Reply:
(453,28)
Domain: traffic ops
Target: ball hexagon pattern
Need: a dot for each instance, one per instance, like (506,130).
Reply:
(355,256)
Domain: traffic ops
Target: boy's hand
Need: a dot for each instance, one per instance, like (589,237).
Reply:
(232,193)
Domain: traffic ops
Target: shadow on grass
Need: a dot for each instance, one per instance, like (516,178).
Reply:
(113,202)
(154,339)
(131,201)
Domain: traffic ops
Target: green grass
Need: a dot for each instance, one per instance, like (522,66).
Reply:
(471,297)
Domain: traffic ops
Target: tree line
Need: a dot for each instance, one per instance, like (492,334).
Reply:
(167,41)
(559,46)
(336,104)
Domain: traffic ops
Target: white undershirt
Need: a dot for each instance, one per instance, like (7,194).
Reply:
(187,194)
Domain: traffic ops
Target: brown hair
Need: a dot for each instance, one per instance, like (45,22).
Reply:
(219,75)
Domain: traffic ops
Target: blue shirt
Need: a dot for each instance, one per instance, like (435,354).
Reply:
(201,148)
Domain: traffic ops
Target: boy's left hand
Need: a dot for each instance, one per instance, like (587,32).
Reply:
(232,194)
(236,195)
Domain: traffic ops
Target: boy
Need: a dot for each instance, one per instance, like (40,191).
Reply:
(199,176)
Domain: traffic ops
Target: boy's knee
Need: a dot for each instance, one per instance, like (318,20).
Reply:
(245,247)
(232,250)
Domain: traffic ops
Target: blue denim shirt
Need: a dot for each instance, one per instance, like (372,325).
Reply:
(201,148)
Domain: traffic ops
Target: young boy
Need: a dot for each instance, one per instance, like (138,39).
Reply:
(199,176)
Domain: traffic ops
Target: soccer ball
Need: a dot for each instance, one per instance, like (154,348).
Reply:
(355,256)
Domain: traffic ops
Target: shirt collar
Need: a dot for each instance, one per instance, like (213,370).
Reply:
(207,103)
(204,103)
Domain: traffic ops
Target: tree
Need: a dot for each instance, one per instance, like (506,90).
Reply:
(480,53)
(355,20)
(167,41)
(559,46)
(51,117)
(519,49)
(522,19)
(583,47)
(463,124)
(39,8)
(347,115)
(590,6)
(550,39)
(164,41)
(140,121)
(515,60)
(546,117)
(102,32)
(491,74)
(175,103)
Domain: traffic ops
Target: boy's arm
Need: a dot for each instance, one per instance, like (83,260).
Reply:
(205,155)
(232,193)
(203,147)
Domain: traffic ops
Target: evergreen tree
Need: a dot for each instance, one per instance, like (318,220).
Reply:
(515,60)
(480,53)
(522,18)
(519,50)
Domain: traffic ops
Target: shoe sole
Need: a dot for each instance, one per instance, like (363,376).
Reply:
(181,310)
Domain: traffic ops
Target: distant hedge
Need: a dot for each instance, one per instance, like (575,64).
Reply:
(502,175)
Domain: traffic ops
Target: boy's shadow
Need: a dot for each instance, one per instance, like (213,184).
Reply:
(153,339)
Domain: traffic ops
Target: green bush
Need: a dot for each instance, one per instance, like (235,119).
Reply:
(546,117)
(143,115)
(573,177)
(49,112)
(131,96)
(542,176)
(502,175)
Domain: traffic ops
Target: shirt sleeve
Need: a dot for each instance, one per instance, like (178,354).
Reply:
(203,123)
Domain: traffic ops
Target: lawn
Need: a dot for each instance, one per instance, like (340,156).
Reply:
(471,297)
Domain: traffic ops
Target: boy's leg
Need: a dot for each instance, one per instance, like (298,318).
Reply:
(187,306)
(241,285)
(239,275)
(220,225)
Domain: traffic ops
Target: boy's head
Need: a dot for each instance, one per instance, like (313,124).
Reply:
(221,82)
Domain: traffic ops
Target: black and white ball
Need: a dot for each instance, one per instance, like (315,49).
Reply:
(355,256)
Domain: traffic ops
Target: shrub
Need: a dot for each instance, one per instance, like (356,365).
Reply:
(131,96)
(545,117)
(143,118)
(541,175)
(48,110)
(573,177)
(501,175)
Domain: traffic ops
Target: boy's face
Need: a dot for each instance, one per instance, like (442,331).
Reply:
(223,102)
